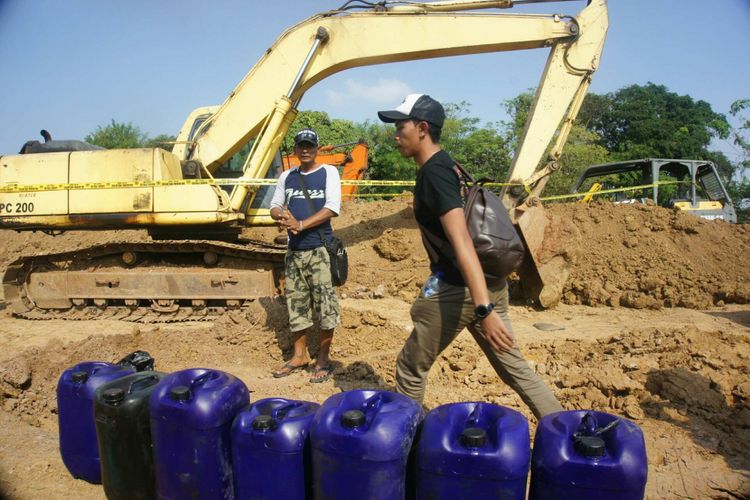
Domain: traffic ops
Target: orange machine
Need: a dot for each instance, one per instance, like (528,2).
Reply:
(350,158)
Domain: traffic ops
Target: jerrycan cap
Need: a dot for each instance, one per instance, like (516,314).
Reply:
(264,423)
(79,377)
(113,396)
(473,437)
(180,393)
(590,446)
(351,419)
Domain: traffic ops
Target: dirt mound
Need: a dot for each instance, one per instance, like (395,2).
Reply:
(637,256)
(644,256)
(686,388)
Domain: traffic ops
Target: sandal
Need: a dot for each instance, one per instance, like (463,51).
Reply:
(287,369)
(321,374)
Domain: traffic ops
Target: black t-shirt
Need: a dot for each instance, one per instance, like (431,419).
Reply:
(437,190)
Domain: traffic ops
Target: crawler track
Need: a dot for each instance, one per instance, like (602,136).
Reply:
(165,281)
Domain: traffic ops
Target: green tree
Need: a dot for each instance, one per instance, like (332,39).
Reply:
(741,134)
(330,130)
(582,150)
(385,161)
(117,136)
(650,121)
(483,151)
(163,141)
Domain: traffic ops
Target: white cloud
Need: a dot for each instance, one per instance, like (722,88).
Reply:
(382,91)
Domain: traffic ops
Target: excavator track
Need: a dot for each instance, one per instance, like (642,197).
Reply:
(146,282)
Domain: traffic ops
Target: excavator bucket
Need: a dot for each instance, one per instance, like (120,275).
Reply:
(544,271)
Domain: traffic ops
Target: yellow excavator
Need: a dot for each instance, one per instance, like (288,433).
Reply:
(196,266)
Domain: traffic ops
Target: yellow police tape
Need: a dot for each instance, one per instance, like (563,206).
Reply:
(24,188)
(610,191)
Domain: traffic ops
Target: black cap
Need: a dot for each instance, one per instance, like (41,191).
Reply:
(264,423)
(418,107)
(180,393)
(352,419)
(306,135)
(589,446)
(473,437)
(79,377)
(114,395)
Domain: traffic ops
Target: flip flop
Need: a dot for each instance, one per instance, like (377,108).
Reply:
(326,371)
(287,369)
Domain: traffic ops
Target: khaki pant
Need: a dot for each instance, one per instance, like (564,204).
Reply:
(438,319)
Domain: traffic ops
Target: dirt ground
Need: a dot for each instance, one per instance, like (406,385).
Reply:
(654,326)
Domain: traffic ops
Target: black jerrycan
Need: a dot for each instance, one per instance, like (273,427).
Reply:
(123,429)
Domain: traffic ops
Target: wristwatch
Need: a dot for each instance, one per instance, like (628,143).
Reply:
(483,310)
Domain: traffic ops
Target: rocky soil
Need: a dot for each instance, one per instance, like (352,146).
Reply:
(654,326)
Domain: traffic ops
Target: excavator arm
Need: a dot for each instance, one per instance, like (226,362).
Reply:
(263,105)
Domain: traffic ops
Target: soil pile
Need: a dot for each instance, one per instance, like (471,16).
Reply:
(645,256)
(637,256)
(680,385)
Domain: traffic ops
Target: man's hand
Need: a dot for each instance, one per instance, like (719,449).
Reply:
(499,337)
(287,221)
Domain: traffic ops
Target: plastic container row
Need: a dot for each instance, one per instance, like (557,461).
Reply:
(194,434)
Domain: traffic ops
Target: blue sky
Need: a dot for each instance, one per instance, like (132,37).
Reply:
(70,66)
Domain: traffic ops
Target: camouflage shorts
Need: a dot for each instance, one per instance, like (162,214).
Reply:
(309,288)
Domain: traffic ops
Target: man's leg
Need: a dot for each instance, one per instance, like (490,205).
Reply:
(326,305)
(299,308)
(511,366)
(436,322)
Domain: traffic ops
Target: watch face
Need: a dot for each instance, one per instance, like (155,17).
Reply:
(482,311)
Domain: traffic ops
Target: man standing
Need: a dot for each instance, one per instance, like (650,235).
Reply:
(456,295)
(306,217)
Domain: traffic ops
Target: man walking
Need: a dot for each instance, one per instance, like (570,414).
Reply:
(303,203)
(456,295)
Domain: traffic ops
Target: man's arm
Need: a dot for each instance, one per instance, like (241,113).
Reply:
(454,224)
(278,200)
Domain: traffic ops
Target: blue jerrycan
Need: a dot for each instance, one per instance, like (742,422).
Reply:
(588,455)
(361,442)
(124,434)
(473,451)
(271,450)
(191,418)
(75,416)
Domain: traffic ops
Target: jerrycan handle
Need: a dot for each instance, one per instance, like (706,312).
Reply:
(588,425)
(613,424)
(283,411)
(143,383)
(202,379)
(475,416)
(372,404)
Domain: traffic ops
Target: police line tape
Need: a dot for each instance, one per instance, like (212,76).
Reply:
(611,191)
(74,186)
(24,188)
